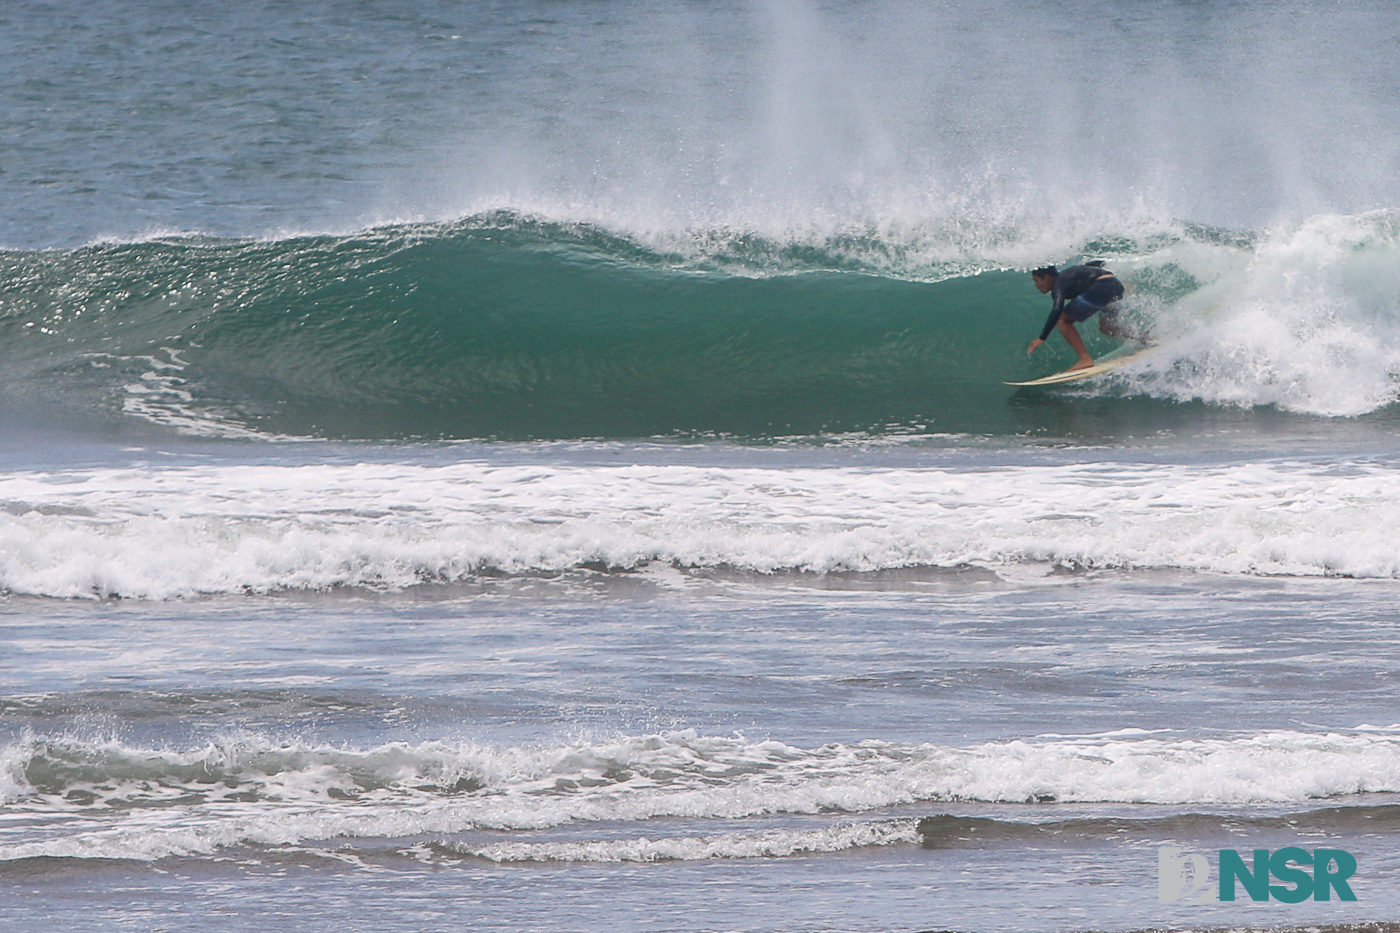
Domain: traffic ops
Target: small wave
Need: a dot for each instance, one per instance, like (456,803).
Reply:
(955,831)
(772,844)
(105,800)
(185,531)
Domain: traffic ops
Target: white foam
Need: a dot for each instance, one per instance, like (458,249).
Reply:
(773,844)
(179,531)
(1306,319)
(151,804)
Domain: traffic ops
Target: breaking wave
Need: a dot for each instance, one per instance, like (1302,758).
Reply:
(506,326)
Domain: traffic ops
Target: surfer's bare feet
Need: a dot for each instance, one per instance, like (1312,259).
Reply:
(1082,364)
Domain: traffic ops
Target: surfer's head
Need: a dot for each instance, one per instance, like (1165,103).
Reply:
(1044,278)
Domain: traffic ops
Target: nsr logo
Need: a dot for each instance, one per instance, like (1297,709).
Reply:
(1186,878)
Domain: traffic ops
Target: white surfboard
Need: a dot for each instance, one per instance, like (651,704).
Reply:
(1098,369)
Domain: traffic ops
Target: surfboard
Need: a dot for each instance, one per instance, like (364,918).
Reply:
(1098,369)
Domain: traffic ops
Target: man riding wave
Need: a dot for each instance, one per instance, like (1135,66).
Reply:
(1080,292)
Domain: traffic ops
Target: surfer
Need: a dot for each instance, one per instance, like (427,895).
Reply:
(1080,292)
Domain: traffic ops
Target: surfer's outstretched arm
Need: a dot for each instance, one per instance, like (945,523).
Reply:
(1076,343)
(1053,321)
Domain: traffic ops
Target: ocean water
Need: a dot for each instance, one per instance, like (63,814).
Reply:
(546,465)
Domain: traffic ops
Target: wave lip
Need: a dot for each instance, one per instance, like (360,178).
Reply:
(185,531)
(105,800)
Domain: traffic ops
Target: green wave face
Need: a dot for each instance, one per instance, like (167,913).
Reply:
(468,337)
(502,333)
(523,330)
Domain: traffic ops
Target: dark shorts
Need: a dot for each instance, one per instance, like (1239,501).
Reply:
(1100,295)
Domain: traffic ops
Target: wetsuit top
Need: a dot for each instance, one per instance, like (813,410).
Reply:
(1069,285)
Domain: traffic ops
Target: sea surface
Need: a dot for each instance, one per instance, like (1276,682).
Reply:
(546,465)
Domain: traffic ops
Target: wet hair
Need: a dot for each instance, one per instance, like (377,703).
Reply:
(1043,271)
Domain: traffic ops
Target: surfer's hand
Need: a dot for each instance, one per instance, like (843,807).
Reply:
(1034,343)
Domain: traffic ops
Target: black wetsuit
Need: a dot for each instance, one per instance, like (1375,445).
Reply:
(1093,286)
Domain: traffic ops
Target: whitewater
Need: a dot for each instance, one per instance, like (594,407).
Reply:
(168,532)
(549,465)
